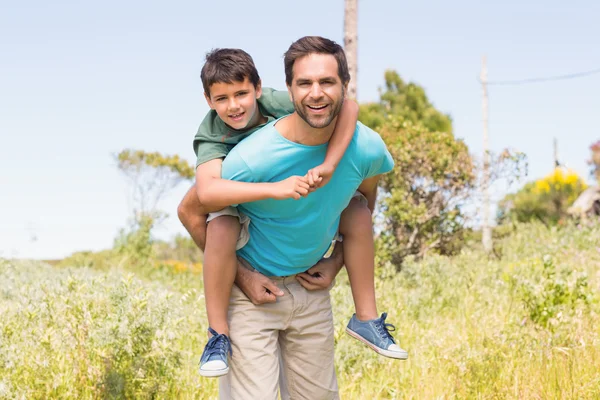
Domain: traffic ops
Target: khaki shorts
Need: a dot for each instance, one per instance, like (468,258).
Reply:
(244,222)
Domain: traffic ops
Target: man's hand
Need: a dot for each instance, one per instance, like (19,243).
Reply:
(321,275)
(257,287)
(320,176)
(293,187)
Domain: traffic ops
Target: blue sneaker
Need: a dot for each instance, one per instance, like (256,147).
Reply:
(214,357)
(375,333)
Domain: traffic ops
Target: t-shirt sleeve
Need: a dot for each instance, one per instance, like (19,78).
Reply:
(235,168)
(378,159)
(276,103)
(207,151)
(205,145)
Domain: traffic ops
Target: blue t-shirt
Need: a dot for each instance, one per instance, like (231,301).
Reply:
(289,236)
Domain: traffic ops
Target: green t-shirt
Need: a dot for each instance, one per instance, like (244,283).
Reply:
(215,139)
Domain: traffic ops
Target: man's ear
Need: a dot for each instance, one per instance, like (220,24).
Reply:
(259,89)
(289,88)
(207,97)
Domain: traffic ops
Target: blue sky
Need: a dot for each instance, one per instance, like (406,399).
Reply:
(79,81)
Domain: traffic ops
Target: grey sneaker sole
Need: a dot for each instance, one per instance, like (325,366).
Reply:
(213,373)
(400,355)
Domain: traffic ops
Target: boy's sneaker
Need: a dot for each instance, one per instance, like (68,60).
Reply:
(375,333)
(214,357)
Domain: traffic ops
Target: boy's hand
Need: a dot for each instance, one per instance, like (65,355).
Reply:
(293,187)
(319,176)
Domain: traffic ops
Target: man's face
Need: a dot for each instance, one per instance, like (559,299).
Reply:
(235,103)
(317,91)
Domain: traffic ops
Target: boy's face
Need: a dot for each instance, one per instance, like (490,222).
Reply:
(235,103)
(317,90)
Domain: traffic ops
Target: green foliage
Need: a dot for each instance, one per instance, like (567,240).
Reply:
(129,160)
(431,180)
(432,177)
(181,248)
(151,176)
(465,320)
(101,260)
(407,102)
(555,294)
(80,334)
(546,200)
(135,244)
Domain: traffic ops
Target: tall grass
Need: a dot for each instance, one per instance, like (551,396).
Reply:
(523,327)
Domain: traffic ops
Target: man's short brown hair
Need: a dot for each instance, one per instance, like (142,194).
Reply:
(228,66)
(315,45)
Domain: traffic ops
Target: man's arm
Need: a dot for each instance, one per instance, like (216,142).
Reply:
(369,189)
(216,193)
(342,136)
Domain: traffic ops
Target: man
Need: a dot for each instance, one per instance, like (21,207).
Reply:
(287,237)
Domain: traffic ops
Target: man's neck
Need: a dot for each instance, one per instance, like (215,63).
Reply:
(295,129)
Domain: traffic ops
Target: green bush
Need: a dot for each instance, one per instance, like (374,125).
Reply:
(424,194)
(545,200)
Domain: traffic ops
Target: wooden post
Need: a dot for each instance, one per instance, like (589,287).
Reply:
(350,44)
(486,229)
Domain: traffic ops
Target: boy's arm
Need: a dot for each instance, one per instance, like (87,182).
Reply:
(216,193)
(342,136)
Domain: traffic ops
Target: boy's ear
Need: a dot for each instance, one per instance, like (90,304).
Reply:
(259,89)
(207,97)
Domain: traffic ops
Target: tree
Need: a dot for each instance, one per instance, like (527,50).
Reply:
(407,102)
(151,176)
(433,174)
(424,194)
(546,200)
(351,43)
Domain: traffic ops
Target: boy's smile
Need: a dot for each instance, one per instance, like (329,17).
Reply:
(235,103)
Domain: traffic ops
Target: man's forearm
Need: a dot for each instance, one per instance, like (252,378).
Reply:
(242,275)
(221,193)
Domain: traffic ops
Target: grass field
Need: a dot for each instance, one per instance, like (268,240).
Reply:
(525,326)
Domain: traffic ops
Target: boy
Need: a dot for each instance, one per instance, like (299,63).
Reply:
(240,106)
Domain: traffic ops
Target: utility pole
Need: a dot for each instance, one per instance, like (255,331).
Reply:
(351,42)
(486,229)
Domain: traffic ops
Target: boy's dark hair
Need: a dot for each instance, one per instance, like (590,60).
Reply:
(315,45)
(228,66)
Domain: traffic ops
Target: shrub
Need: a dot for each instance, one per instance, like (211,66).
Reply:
(546,200)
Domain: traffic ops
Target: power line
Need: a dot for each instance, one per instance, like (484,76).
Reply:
(548,79)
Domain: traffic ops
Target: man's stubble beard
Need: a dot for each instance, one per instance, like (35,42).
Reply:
(321,123)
